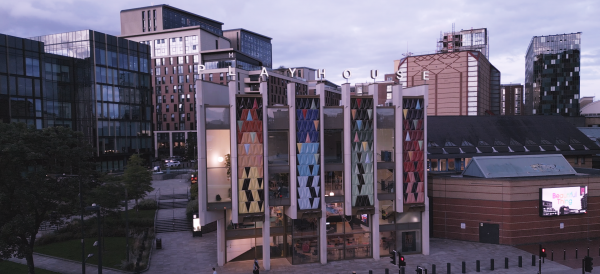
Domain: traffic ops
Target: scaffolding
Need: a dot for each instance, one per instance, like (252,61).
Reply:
(463,40)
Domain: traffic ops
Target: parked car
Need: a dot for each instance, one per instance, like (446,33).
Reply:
(173,164)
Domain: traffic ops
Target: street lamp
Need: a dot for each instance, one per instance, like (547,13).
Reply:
(95,208)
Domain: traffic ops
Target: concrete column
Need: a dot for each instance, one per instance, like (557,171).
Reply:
(221,243)
(398,160)
(170,144)
(292,210)
(266,230)
(320,90)
(347,150)
(375,227)
(425,216)
(155,144)
(233,152)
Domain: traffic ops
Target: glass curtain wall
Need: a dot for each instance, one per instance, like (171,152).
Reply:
(348,237)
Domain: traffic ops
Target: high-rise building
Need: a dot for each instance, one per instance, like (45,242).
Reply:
(473,40)
(512,99)
(180,43)
(552,66)
(461,83)
(89,81)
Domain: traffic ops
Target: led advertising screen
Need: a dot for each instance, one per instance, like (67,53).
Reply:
(558,201)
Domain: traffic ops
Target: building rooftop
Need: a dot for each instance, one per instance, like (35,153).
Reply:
(518,166)
(174,8)
(245,30)
(469,136)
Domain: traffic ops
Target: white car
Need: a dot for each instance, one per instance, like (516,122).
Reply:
(173,164)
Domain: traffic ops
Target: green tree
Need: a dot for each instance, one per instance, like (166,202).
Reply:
(137,179)
(108,193)
(39,181)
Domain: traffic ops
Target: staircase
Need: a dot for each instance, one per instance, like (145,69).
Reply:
(171,213)
(173,225)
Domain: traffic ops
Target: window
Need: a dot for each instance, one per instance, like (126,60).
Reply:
(180,79)
(167,108)
(166,70)
(210,77)
(189,68)
(180,68)
(173,117)
(192,126)
(196,59)
(188,116)
(168,126)
(170,60)
(157,61)
(174,70)
(216,44)
(166,89)
(221,76)
(187,59)
(180,60)
(164,117)
(171,82)
(188,98)
(157,71)
(158,99)
(191,107)
(172,98)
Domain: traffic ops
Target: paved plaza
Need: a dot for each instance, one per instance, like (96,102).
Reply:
(183,253)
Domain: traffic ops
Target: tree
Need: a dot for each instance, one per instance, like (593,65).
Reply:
(39,181)
(137,179)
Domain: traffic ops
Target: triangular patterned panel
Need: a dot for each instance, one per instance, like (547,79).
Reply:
(304,111)
(249,117)
(356,137)
(370,112)
(353,114)
(421,145)
(316,122)
(307,140)
(407,137)
(299,146)
(313,106)
(317,158)
(405,111)
(418,105)
(359,103)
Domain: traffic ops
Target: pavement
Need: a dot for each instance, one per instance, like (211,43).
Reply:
(569,253)
(60,265)
(182,253)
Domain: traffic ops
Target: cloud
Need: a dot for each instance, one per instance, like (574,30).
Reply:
(339,35)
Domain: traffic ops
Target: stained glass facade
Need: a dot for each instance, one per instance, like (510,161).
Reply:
(362,151)
(413,151)
(250,154)
(308,141)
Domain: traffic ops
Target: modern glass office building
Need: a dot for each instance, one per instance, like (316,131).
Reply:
(552,67)
(86,80)
(311,181)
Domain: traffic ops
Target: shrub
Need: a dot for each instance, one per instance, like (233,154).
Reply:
(191,209)
(147,204)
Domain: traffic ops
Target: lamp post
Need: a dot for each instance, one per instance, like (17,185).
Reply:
(96,208)
(127,222)
(83,258)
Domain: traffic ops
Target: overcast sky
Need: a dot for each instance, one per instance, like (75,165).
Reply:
(355,35)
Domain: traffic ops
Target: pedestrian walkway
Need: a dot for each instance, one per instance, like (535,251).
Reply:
(183,253)
(60,265)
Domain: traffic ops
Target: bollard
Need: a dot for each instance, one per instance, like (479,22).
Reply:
(402,270)
(477,268)
(370,271)
(564,254)
(588,251)
(353,272)
(532,260)
(576,251)
(505,263)
(492,264)
(433,269)
(387,271)
(464,267)
(520,261)
(448,268)
(552,256)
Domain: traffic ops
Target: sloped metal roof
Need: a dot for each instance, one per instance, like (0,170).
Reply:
(518,166)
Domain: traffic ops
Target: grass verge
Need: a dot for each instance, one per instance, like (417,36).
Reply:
(17,268)
(113,252)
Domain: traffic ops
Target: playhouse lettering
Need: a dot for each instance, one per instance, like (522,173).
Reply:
(320,73)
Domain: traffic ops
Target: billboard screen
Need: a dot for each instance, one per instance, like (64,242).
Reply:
(559,201)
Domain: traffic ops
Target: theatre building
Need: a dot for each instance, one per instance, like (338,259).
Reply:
(518,199)
(312,180)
